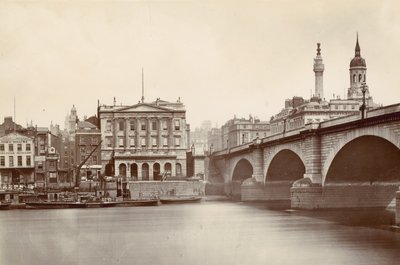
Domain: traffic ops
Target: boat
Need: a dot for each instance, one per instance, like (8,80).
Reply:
(55,205)
(178,199)
(100,204)
(5,205)
(142,202)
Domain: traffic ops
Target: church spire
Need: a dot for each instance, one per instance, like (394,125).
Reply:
(358,50)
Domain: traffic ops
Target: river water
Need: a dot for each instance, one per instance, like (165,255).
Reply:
(210,232)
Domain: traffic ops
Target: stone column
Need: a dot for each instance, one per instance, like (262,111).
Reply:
(398,208)
(148,133)
(151,171)
(139,171)
(171,144)
(126,131)
(159,136)
(128,170)
(137,134)
(115,133)
(173,168)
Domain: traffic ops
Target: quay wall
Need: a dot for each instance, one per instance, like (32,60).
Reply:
(148,189)
(343,196)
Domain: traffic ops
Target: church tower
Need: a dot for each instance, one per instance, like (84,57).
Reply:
(319,74)
(358,76)
(73,117)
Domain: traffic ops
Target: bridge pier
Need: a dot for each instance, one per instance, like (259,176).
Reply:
(398,207)
(307,195)
(253,190)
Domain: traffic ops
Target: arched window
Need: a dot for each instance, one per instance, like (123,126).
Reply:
(359,78)
(167,169)
(145,171)
(178,169)
(156,171)
(364,78)
(122,170)
(134,171)
(354,78)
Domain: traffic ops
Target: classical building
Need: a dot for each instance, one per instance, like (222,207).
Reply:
(298,112)
(240,131)
(16,159)
(87,139)
(143,141)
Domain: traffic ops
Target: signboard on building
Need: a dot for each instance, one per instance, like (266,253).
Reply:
(40,158)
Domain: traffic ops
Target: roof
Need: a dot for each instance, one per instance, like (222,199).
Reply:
(86,125)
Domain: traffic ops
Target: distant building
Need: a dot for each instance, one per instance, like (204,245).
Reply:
(9,126)
(214,139)
(236,131)
(143,141)
(199,138)
(16,159)
(87,139)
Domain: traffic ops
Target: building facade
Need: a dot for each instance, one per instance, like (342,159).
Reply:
(236,131)
(144,141)
(87,139)
(16,159)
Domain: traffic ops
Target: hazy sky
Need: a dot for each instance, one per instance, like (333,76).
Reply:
(220,57)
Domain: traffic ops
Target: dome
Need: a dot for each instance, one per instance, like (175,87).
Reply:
(358,61)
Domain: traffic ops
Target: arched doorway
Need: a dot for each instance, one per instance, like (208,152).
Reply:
(134,171)
(156,171)
(145,171)
(122,170)
(243,170)
(178,169)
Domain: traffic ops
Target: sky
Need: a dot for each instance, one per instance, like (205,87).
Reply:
(221,58)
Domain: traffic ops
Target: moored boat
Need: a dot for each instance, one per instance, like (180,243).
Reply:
(55,205)
(134,203)
(183,199)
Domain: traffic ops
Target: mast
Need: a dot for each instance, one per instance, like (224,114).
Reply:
(142,85)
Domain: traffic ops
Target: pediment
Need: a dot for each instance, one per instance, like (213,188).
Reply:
(142,107)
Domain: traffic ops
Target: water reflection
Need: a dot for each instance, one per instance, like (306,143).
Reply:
(206,233)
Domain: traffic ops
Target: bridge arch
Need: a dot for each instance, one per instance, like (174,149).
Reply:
(286,165)
(385,137)
(242,171)
(363,158)
(287,150)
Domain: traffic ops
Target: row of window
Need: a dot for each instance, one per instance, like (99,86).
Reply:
(143,125)
(11,147)
(11,161)
(94,159)
(345,107)
(143,142)
(88,140)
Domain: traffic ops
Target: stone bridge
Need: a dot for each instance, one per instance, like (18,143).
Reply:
(345,162)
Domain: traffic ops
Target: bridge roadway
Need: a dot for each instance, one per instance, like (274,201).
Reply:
(345,162)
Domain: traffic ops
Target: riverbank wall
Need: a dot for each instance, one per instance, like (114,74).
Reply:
(148,189)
